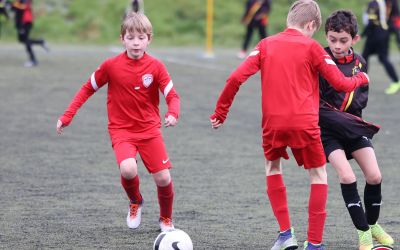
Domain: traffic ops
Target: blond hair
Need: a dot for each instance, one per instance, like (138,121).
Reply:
(136,22)
(302,12)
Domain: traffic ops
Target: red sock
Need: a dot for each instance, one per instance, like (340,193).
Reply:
(276,191)
(166,200)
(132,189)
(317,212)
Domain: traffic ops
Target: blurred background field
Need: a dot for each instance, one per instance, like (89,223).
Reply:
(176,22)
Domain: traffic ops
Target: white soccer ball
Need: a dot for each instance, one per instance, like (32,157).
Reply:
(173,240)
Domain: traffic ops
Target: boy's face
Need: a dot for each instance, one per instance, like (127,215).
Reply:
(340,42)
(135,44)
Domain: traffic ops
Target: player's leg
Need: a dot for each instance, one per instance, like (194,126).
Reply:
(369,47)
(40,42)
(262,30)
(366,159)
(156,160)
(313,159)
(317,204)
(276,191)
(246,41)
(383,56)
(352,200)
(130,180)
(28,46)
(165,191)
(125,154)
(23,38)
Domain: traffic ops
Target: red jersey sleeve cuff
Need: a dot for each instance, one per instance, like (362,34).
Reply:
(65,120)
(218,117)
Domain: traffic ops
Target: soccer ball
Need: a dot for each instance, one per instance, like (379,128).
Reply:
(173,240)
(382,247)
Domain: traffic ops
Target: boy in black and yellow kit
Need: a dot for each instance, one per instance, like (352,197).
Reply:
(345,135)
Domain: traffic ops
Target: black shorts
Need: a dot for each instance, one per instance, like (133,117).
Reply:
(349,146)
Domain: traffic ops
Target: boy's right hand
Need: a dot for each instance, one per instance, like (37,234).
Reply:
(60,127)
(215,122)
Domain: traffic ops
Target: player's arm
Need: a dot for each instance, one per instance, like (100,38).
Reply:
(245,19)
(19,5)
(171,97)
(96,81)
(247,68)
(328,69)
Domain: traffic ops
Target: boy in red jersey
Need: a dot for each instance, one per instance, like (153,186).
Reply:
(290,62)
(345,135)
(134,80)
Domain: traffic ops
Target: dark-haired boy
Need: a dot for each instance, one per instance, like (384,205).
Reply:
(345,135)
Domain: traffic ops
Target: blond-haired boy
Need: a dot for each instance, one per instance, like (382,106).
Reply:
(134,80)
(290,63)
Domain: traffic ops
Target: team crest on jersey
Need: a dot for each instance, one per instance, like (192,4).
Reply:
(147,79)
(357,67)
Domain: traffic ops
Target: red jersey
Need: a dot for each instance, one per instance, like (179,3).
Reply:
(132,97)
(23,11)
(27,17)
(289,64)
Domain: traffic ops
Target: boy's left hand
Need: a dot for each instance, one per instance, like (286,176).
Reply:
(170,121)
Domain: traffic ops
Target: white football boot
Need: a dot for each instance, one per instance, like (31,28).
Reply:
(134,215)
(166,224)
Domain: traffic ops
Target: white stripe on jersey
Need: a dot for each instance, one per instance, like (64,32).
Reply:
(93,82)
(330,61)
(254,53)
(168,88)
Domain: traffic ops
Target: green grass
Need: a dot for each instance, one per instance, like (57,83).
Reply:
(175,22)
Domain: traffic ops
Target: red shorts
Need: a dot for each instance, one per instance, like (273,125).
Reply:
(307,151)
(152,151)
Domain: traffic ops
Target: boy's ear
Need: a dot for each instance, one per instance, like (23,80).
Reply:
(356,38)
(311,25)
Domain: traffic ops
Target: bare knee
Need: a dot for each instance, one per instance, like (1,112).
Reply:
(347,178)
(128,168)
(374,179)
(162,178)
(273,167)
(318,175)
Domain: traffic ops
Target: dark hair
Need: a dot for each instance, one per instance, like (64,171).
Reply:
(342,20)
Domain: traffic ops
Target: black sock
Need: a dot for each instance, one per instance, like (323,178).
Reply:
(354,205)
(373,202)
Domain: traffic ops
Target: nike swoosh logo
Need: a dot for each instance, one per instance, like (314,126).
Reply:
(377,204)
(165,161)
